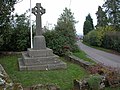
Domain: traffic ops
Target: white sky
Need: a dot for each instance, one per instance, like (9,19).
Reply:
(54,8)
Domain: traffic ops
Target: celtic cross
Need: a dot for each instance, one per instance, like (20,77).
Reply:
(38,11)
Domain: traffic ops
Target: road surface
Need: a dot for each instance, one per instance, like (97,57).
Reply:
(101,56)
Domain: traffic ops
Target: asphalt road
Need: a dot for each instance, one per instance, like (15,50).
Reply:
(101,56)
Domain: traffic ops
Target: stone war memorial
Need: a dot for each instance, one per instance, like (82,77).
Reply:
(39,57)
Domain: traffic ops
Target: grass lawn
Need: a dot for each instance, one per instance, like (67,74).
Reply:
(62,78)
(82,55)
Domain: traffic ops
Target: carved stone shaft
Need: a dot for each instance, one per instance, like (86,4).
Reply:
(38,11)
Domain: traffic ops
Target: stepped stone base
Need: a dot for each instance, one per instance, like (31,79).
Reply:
(40,57)
(40,60)
(40,53)
(22,66)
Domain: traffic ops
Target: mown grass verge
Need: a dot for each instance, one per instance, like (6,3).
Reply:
(62,78)
(82,55)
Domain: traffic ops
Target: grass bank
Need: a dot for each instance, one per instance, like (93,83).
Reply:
(62,78)
(82,55)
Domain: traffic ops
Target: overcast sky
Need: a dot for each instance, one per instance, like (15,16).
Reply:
(54,8)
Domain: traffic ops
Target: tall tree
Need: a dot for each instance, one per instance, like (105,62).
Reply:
(17,38)
(112,8)
(66,27)
(6,8)
(101,18)
(88,25)
(21,36)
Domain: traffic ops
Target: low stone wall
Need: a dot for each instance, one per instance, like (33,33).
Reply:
(78,61)
(108,76)
(6,83)
(44,87)
(93,82)
(2,71)
(78,85)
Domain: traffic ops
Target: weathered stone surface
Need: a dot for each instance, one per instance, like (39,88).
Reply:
(39,53)
(79,61)
(44,61)
(6,83)
(60,65)
(45,87)
(2,71)
(39,43)
(39,60)
(38,11)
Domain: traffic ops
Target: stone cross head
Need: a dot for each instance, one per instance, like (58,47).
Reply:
(38,11)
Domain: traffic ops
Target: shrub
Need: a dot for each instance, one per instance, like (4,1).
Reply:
(112,41)
(94,81)
(58,42)
(93,38)
(55,41)
(96,37)
(17,37)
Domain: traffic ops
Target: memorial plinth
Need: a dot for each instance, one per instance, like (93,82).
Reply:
(40,57)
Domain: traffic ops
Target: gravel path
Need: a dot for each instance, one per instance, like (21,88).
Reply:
(101,56)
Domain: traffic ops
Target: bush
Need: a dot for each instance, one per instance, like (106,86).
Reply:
(112,41)
(17,37)
(55,41)
(96,37)
(93,38)
(94,81)
(5,39)
(106,37)
(58,42)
